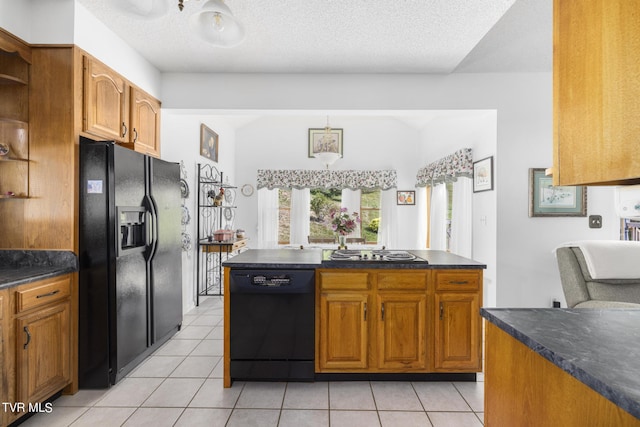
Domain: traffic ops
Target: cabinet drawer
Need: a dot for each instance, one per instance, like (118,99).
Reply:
(344,279)
(44,292)
(402,280)
(457,280)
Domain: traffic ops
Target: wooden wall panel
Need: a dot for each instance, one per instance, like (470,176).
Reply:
(51,211)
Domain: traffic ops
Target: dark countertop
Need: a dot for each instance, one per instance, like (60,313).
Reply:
(25,266)
(312,258)
(598,347)
(276,258)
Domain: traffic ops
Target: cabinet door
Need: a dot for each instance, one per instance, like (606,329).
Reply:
(105,106)
(458,337)
(596,86)
(42,353)
(343,332)
(145,123)
(402,336)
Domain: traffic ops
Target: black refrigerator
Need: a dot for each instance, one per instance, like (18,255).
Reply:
(130,291)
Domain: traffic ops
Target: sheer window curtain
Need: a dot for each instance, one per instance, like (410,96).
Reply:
(300,214)
(267,218)
(438,217)
(421,224)
(388,228)
(350,199)
(461,217)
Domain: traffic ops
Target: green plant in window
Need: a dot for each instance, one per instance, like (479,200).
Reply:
(374,224)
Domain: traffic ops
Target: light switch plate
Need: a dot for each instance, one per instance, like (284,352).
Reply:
(595,221)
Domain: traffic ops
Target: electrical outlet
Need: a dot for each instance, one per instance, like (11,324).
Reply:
(595,221)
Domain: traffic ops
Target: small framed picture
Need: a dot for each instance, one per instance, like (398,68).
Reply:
(545,199)
(406,198)
(208,143)
(319,141)
(483,175)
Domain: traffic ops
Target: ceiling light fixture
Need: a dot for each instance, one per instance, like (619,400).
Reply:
(329,151)
(216,24)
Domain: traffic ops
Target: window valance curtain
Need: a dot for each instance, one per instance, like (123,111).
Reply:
(447,169)
(353,179)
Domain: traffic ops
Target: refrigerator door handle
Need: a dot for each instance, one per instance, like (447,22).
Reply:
(153,227)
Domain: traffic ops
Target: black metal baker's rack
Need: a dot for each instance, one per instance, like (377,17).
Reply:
(211,218)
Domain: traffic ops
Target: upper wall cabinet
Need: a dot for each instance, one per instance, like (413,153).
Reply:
(596,87)
(117,110)
(145,122)
(105,102)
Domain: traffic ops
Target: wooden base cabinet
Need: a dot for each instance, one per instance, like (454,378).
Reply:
(402,331)
(37,348)
(42,355)
(458,330)
(456,333)
(371,321)
(344,340)
(393,321)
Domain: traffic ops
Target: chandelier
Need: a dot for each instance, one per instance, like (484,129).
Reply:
(328,151)
(213,23)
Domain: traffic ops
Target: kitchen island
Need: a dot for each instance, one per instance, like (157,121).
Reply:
(565,367)
(368,315)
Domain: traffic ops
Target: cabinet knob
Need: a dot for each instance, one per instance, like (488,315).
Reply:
(135,135)
(124,129)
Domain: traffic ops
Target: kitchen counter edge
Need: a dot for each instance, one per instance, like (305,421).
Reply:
(534,327)
(18,267)
(312,258)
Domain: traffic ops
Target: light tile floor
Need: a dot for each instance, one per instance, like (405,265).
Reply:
(181,385)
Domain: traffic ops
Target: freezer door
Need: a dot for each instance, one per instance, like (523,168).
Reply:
(131,287)
(166,262)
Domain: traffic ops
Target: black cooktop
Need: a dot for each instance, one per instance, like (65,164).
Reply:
(370,256)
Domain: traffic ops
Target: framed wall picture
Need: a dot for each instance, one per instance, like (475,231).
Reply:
(483,175)
(545,199)
(208,143)
(406,198)
(317,141)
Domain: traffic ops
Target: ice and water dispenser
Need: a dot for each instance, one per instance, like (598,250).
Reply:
(132,229)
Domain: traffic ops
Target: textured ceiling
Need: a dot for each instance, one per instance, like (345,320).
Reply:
(349,36)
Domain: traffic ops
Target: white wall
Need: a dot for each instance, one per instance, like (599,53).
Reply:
(526,273)
(369,143)
(68,22)
(476,130)
(181,143)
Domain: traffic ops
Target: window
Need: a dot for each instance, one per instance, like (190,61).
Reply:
(322,202)
(284,215)
(370,215)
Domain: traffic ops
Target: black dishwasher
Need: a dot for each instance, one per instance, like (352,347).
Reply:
(272,324)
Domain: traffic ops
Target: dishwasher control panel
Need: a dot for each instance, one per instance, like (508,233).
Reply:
(271,280)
